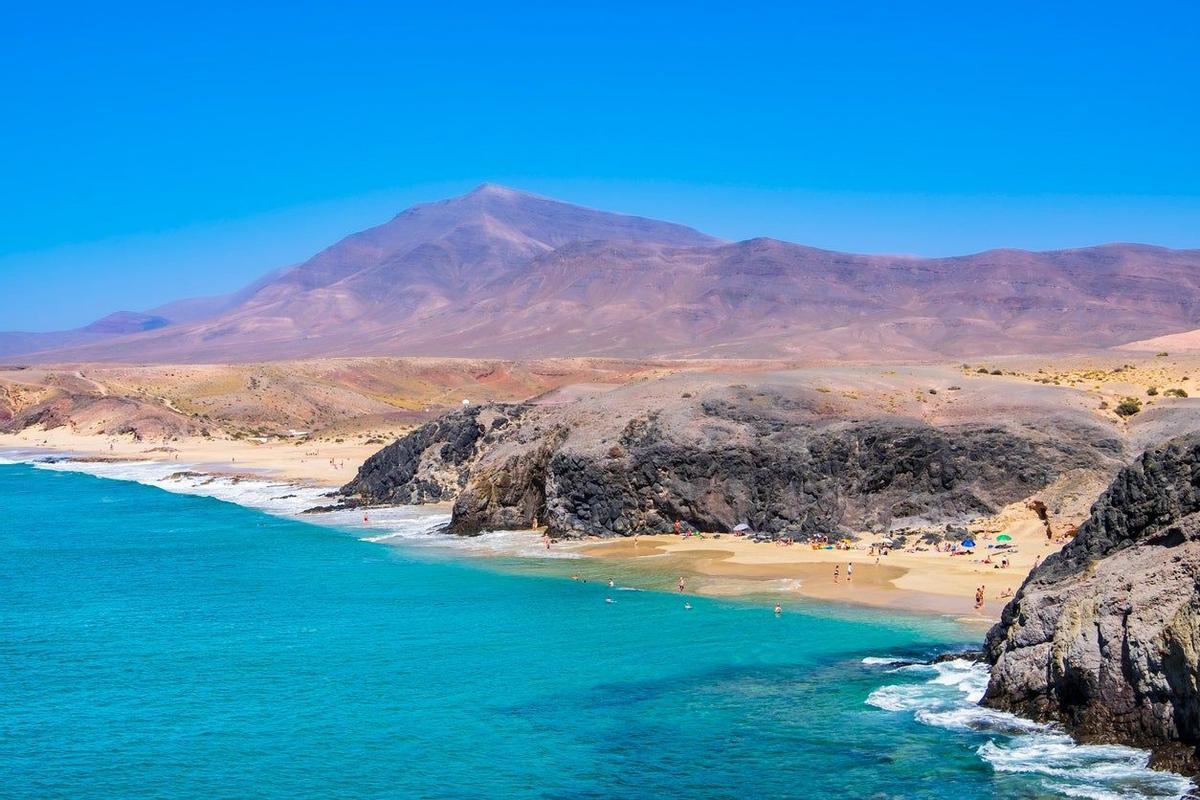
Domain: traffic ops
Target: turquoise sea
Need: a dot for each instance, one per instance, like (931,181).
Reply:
(155,644)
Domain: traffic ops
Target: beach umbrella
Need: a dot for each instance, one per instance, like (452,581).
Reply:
(1004,537)
(968,542)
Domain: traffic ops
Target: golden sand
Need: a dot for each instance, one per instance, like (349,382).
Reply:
(321,463)
(924,581)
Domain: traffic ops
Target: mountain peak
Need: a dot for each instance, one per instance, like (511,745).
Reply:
(494,190)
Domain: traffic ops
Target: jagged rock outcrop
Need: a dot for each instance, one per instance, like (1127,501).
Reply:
(1104,636)
(430,464)
(734,455)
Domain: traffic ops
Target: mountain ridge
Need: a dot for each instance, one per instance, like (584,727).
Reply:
(502,273)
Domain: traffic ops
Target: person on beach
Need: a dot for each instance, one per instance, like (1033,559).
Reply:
(682,583)
(611,583)
(678,527)
(837,573)
(546,539)
(365,517)
(849,572)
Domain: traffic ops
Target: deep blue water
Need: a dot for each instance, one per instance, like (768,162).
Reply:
(167,646)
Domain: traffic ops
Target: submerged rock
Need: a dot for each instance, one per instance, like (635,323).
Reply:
(1104,636)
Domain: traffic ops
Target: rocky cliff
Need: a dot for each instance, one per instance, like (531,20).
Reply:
(772,459)
(1104,636)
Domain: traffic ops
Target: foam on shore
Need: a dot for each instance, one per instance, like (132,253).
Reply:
(949,698)
(419,525)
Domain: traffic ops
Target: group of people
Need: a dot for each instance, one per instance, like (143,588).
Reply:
(980,592)
(685,530)
(837,572)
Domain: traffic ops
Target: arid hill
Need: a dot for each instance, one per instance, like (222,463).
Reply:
(813,450)
(500,273)
(326,397)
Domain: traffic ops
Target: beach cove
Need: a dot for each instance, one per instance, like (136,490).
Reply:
(922,581)
(252,637)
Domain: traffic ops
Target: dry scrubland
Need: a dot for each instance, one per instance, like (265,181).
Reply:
(313,420)
(327,399)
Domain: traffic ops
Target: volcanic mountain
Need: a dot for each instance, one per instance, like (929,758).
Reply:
(502,273)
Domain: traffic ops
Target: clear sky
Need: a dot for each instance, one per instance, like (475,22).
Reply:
(158,150)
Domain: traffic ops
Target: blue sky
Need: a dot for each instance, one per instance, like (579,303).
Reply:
(163,150)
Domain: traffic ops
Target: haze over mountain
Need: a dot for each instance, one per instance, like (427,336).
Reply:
(501,273)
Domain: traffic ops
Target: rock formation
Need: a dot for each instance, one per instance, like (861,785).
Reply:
(430,464)
(1104,636)
(723,456)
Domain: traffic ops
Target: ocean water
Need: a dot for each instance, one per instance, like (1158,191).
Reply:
(168,644)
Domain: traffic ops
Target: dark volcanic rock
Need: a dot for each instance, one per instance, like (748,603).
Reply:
(756,457)
(430,464)
(1105,635)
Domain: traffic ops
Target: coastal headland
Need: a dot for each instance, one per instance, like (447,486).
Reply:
(317,422)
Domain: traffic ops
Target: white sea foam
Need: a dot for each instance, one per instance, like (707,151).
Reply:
(410,525)
(273,496)
(882,661)
(783,584)
(280,498)
(522,544)
(949,698)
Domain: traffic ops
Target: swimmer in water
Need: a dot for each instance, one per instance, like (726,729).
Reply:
(778,609)
(608,599)
(611,583)
(687,606)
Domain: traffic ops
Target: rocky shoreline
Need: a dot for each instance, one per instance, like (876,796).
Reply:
(1104,636)
(729,457)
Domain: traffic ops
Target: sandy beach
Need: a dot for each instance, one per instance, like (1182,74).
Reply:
(323,463)
(921,580)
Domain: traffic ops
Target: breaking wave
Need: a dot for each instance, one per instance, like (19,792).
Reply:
(948,698)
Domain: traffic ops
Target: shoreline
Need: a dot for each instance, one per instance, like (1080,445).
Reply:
(318,464)
(919,580)
(923,582)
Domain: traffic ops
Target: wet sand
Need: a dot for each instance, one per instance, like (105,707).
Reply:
(925,581)
(316,463)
